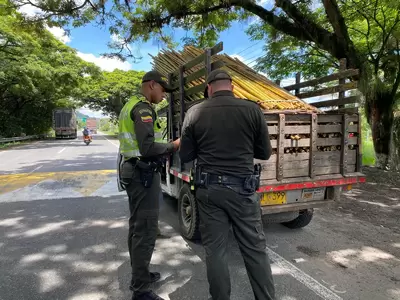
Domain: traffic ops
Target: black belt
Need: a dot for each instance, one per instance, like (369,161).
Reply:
(224,179)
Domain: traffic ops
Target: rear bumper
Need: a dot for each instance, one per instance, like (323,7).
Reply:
(274,209)
(279,187)
(332,187)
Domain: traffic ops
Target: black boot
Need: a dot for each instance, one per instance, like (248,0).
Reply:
(148,295)
(154,277)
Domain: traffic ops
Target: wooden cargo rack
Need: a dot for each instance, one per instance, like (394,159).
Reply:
(305,144)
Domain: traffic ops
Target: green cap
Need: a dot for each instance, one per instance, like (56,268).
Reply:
(159,78)
(214,76)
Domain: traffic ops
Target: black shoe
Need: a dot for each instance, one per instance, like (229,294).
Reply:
(154,277)
(148,295)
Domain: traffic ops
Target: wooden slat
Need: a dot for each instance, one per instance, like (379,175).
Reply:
(194,90)
(329,128)
(298,118)
(344,142)
(272,129)
(333,157)
(171,113)
(329,90)
(325,79)
(327,170)
(268,174)
(280,149)
(202,72)
(336,141)
(181,95)
(292,143)
(296,172)
(359,148)
(298,78)
(313,143)
(199,59)
(322,118)
(346,110)
(297,164)
(305,129)
(342,67)
(336,102)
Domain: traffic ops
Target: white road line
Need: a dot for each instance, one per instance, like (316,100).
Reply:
(302,277)
(61,150)
(111,142)
(35,169)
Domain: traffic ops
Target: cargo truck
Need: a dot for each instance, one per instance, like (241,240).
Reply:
(91,124)
(65,123)
(293,181)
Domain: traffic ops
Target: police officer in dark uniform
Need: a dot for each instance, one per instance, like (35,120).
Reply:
(140,153)
(225,134)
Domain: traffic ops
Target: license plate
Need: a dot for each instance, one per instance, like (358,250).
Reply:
(313,194)
(273,198)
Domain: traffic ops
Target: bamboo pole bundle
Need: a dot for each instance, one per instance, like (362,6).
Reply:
(248,84)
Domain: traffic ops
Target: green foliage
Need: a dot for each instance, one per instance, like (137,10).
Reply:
(37,74)
(110,91)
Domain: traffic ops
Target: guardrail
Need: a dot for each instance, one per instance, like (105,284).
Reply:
(20,138)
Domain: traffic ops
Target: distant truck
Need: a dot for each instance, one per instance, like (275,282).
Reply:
(65,123)
(91,124)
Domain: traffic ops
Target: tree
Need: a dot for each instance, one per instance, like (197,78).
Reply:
(110,91)
(37,74)
(366,33)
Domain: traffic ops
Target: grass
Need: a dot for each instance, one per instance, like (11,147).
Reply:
(368,153)
(9,145)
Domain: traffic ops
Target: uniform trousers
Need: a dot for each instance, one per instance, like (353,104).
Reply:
(221,207)
(143,224)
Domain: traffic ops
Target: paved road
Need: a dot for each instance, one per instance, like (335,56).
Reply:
(63,228)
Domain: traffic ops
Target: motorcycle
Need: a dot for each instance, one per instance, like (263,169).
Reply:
(87,140)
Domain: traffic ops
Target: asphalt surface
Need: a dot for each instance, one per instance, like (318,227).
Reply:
(63,235)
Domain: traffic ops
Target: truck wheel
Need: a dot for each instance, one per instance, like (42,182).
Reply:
(304,218)
(188,214)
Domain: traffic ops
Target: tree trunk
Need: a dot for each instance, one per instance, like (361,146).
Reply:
(394,157)
(380,118)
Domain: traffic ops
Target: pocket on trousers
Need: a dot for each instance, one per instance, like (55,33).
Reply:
(253,199)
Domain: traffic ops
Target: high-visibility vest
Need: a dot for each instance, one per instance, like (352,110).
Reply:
(128,144)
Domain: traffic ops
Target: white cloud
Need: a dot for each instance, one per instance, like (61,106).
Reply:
(92,113)
(105,63)
(60,34)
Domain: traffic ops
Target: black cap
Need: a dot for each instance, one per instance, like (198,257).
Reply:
(214,76)
(159,78)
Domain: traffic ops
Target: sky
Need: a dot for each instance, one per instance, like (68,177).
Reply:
(91,41)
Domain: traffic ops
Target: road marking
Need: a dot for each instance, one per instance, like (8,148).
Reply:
(302,277)
(35,169)
(61,150)
(111,142)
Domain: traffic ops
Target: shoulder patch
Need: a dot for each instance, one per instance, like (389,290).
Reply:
(146,118)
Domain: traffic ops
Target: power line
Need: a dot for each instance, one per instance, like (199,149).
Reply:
(249,47)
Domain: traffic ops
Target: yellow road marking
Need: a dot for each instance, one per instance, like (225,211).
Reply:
(85,182)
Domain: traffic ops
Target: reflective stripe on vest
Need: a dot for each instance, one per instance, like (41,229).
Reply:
(127,138)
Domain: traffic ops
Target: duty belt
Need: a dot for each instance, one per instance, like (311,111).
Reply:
(224,180)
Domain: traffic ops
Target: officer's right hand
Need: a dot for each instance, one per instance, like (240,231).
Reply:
(176,144)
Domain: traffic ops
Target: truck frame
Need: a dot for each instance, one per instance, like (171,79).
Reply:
(65,123)
(315,154)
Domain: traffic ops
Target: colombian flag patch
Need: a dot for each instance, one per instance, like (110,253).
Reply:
(147,119)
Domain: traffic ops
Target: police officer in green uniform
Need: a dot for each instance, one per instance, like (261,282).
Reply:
(140,154)
(225,134)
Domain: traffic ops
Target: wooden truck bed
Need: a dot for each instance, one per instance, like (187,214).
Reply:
(311,145)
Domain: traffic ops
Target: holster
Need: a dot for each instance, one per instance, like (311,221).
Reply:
(147,170)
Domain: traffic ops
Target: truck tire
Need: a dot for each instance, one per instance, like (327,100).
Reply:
(304,218)
(188,214)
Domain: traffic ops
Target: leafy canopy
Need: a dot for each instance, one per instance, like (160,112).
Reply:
(110,91)
(37,74)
